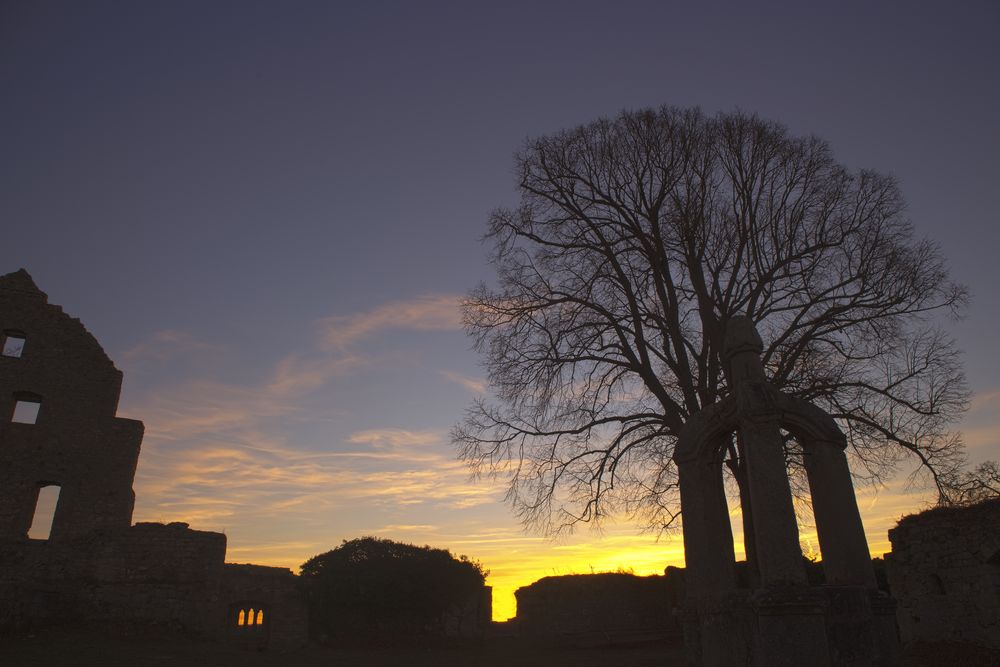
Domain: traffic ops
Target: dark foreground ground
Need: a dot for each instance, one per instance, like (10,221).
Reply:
(84,649)
(70,648)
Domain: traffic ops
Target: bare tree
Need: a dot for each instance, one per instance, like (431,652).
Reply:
(976,485)
(635,241)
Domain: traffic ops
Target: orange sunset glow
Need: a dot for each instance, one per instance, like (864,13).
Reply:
(270,215)
(219,456)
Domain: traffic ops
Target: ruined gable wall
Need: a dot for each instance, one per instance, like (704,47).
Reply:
(944,570)
(76,442)
(95,569)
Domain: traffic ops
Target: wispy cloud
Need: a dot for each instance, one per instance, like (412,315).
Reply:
(341,336)
(395,437)
(985,400)
(258,478)
(297,374)
(222,455)
(981,425)
(203,408)
(422,528)
(475,385)
(165,345)
(426,313)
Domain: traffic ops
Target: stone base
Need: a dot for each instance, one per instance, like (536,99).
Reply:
(790,628)
(834,626)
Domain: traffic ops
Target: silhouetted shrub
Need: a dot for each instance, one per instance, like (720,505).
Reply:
(374,590)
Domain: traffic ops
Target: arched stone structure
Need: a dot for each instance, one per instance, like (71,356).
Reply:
(782,621)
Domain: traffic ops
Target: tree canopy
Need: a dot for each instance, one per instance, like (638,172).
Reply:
(376,589)
(635,241)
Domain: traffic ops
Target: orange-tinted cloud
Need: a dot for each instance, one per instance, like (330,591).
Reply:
(427,313)
(474,385)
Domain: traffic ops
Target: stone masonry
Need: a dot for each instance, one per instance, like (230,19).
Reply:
(782,620)
(58,427)
(61,369)
(944,570)
(601,608)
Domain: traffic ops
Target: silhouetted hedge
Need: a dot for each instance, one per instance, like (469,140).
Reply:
(371,590)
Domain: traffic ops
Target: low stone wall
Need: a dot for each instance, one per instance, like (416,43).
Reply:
(148,574)
(272,592)
(944,571)
(603,608)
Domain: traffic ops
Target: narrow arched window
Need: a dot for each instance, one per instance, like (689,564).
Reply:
(260,617)
(241,618)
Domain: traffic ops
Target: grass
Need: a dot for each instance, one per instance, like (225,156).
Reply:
(78,648)
(65,648)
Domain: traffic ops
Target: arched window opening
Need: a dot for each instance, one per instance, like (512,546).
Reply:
(45,511)
(247,616)
(13,343)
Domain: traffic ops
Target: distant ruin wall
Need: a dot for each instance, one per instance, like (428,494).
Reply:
(597,608)
(944,570)
(273,593)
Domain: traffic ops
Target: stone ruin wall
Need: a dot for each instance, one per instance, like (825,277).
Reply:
(944,570)
(273,590)
(597,608)
(96,570)
(147,574)
(77,442)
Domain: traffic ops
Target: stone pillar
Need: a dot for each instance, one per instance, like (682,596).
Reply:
(711,625)
(846,559)
(776,533)
(708,537)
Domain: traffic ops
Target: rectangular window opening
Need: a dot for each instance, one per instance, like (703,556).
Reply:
(26,411)
(45,511)
(13,344)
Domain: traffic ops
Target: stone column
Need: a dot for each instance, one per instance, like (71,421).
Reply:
(711,627)
(708,537)
(846,559)
(776,532)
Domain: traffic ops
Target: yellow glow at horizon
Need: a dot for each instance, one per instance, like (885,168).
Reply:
(506,576)
(516,559)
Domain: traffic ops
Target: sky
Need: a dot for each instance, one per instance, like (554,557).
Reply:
(267,212)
